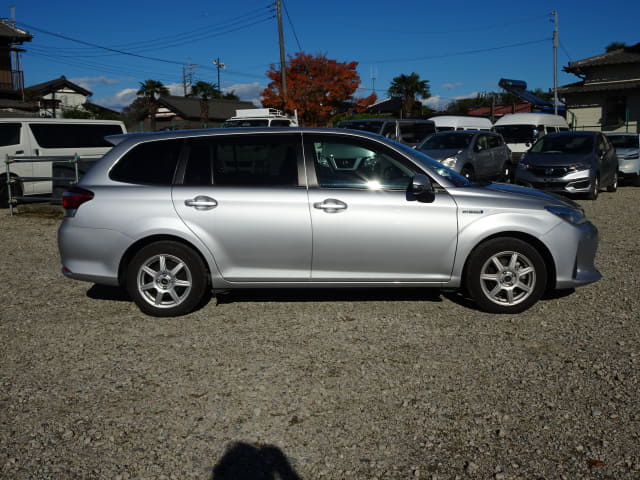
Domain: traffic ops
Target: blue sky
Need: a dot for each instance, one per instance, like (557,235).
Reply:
(462,48)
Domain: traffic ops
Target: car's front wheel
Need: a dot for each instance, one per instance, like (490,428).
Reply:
(614,185)
(505,275)
(595,189)
(167,279)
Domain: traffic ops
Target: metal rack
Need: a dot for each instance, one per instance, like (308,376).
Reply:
(10,159)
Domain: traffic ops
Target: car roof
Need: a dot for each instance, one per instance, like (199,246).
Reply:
(132,138)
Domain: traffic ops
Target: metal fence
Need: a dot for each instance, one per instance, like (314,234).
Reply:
(13,180)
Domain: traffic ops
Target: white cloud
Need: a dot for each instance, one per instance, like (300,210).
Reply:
(90,82)
(450,86)
(119,99)
(440,103)
(247,91)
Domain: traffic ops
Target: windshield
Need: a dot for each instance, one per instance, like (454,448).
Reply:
(246,123)
(564,144)
(367,126)
(446,141)
(432,165)
(624,141)
(517,133)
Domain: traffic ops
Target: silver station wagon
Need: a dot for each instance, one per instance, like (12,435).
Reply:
(175,217)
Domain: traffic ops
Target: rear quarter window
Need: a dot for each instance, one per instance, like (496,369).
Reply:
(150,163)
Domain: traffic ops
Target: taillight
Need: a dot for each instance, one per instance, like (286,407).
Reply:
(74,197)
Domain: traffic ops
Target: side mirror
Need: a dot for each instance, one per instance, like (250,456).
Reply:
(422,189)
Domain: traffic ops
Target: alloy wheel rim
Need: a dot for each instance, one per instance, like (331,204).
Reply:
(164,281)
(508,278)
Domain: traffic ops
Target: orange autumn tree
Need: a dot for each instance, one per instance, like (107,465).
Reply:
(317,87)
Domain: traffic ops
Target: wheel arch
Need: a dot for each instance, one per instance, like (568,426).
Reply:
(527,238)
(143,242)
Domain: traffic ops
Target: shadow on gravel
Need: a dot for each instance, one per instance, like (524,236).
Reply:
(330,295)
(106,292)
(243,461)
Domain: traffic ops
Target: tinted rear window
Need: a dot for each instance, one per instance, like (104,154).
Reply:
(60,135)
(151,163)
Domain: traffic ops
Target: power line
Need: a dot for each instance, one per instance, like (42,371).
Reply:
(455,54)
(295,35)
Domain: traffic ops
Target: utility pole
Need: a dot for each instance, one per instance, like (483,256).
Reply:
(555,62)
(282,61)
(187,77)
(219,65)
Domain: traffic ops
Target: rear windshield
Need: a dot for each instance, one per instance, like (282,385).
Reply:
(367,126)
(446,141)
(518,133)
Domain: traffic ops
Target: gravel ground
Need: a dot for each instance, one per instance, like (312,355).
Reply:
(391,384)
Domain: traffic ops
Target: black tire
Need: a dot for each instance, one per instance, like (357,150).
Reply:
(167,279)
(467,172)
(16,191)
(614,186)
(513,287)
(595,189)
(636,181)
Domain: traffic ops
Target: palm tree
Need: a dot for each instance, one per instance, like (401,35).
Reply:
(151,90)
(205,91)
(407,87)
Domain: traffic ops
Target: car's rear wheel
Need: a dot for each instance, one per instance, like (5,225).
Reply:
(636,181)
(167,279)
(595,188)
(505,275)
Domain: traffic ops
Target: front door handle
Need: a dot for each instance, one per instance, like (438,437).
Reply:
(330,205)
(201,202)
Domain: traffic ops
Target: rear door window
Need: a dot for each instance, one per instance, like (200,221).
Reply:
(270,161)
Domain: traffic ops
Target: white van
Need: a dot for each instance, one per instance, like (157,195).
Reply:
(461,122)
(260,117)
(521,130)
(46,137)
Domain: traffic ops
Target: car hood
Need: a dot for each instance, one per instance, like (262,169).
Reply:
(556,159)
(441,154)
(507,193)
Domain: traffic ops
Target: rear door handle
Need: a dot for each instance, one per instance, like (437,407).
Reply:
(201,202)
(330,205)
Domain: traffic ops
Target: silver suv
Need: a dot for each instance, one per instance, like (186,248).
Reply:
(176,216)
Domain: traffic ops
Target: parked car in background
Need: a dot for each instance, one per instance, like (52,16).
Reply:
(49,137)
(407,131)
(521,130)
(260,117)
(628,152)
(174,216)
(472,153)
(461,122)
(570,163)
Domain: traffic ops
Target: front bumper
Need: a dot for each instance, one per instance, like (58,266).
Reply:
(572,183)
(574,248)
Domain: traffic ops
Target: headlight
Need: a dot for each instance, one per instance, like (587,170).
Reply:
(576,167)
(449,162)
(571,215)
